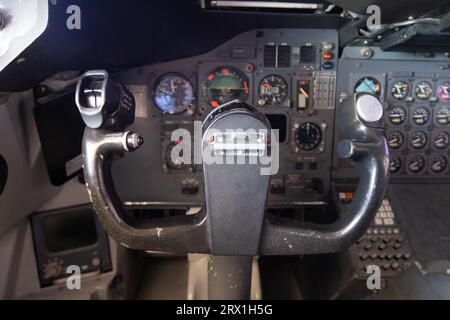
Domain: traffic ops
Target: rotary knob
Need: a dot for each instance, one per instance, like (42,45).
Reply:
(53,268)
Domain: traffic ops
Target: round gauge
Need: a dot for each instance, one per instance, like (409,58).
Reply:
(395,139)
(438,163)
(424,90)
(416,163)
(308,136)
(444,91)
(441,141)
(273,90)
(174,161)
(443,116)
(173,93)
(400,90)
(395,164)
(420,116)
(418,140)
(225,84)
(397,115)
(369,85)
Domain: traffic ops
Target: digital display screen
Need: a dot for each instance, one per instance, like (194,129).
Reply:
(69,231)
(279,121)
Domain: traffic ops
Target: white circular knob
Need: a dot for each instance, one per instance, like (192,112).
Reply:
(369,108)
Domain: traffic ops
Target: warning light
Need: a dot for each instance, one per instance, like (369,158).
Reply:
(327,55)
(214,104)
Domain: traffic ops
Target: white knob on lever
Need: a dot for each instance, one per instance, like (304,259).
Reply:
(369,108)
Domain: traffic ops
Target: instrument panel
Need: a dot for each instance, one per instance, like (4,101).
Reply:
(290,78)
(418,124)
(415,95)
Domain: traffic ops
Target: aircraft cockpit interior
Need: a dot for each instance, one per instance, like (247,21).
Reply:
(225,150)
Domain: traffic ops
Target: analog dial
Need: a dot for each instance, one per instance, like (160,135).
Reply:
(424,90)
(272,90)
(420,116)
(173,93)
(225,84)
(400,90)
(416,163)
(396,139)
(308,136)
(441,141)
(395,164)
(418,140)
(397,115)
(444,91)
(443,116)
(369,85)
(174,156)
(438,163)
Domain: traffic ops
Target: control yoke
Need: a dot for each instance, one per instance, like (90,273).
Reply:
(233,220)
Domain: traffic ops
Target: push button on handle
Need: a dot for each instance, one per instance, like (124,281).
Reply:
(369,108)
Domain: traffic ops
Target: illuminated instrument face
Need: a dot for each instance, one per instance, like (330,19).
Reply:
(444,91)
(424,90)
(273,90)
(368,85)
(173,93)
(420,116)
(400,90)
(225,84)
(397,115)
(443,116)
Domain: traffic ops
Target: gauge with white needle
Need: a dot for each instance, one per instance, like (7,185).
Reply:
(419,140)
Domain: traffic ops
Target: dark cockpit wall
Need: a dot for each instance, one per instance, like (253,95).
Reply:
(149,32)
(156,31)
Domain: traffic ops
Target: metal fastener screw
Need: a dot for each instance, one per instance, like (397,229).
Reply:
(366,52)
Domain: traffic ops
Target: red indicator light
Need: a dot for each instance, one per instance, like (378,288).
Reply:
(225,71)
(210,77)
(214,104)
(327,55)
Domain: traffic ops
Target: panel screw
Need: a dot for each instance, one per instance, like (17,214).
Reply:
(366,52)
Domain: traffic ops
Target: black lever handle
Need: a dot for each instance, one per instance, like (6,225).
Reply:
(108,108)
(360,120)
(104,103)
